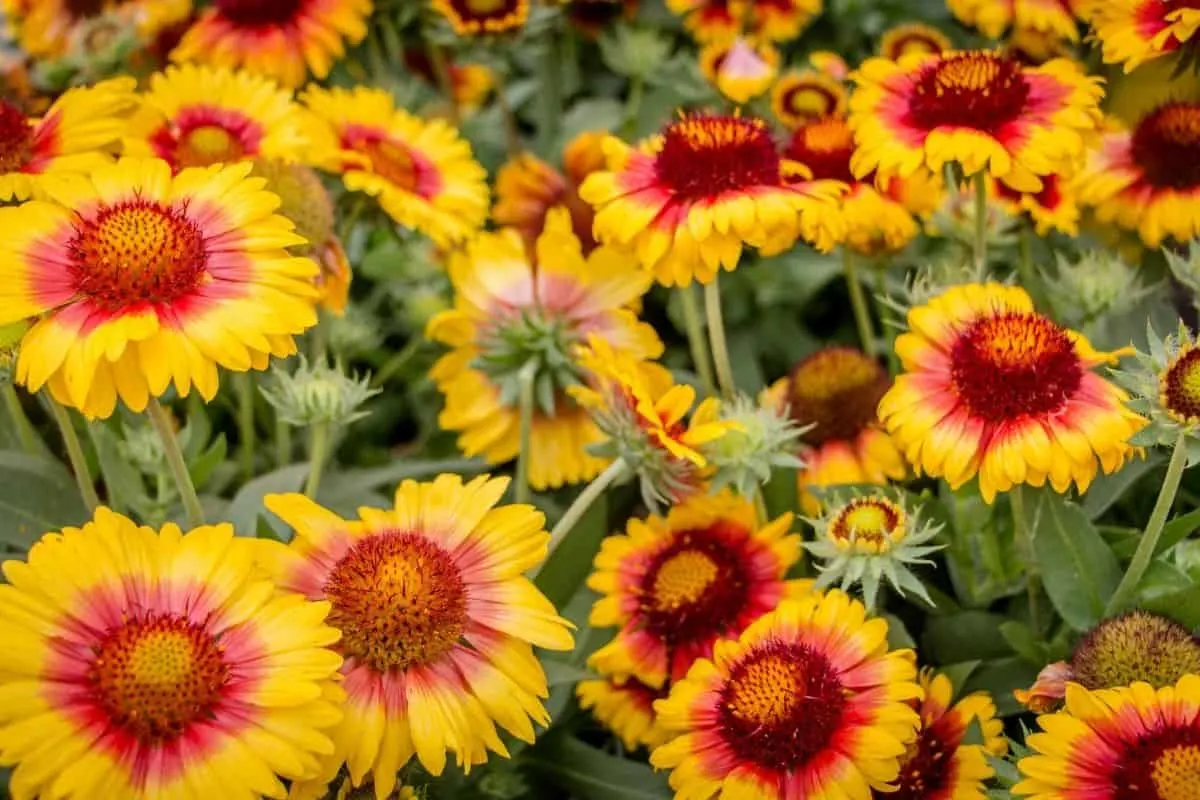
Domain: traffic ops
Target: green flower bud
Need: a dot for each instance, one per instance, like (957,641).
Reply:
(1099,285)
(317,394)
(763,438)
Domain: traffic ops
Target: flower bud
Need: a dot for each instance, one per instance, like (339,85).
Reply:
(760,439)
(317,394)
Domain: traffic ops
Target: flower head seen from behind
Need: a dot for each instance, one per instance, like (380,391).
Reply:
(807,702)
(904,40)
(159,663)
(1107,744)
(688,200)
(978,108)
(510,314)
(625,707)
(674,585)
(1132,32)
(144,280)
(995,389)
(803,96)
(74,135)
(285,39)
(421,172)
(475,18)
(437,623)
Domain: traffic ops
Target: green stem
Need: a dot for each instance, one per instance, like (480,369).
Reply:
(179,469)
(551,95)
(318,447)
(79,465)
(885,315)
(283,442)
(633,105)
(26,434)
(716,337)
(318,340)
(525,400)
(1154,528)
(582,503)
(695,334)
(760,506)
(396,362)
(441,73)
(512,132)
(981,215)
(858,302)
(244,386)
(1024,542)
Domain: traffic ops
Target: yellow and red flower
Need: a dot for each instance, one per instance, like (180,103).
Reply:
(801,97)
(1059,18)
(76,134)
(1132,32)
(470,83)
(913,38)
(196,116)
(1054,208)
(739,69)
(143,280)
(807,702)
(438,623)
(1147,179)
(1113,744)
(978,108)
(509,313)
(675,585)
(688,200)
(993,388)
(709,20)
(154,664)
(475,18)
(626,708)
(285,39)
(781,20)
(421,172)
(45,28)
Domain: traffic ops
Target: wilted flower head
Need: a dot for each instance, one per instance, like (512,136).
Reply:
(1165,389)
(763,437)
(317,394)
(1099,284)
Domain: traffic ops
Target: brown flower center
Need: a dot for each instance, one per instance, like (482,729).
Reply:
(978,90)
(157,675)
(1179,387)
(705,156)
(1138,646)
(260,13)
(1166,145)
(399,601)
(84,9)
(837,389)
(16,138)
(825,147)
(137,252)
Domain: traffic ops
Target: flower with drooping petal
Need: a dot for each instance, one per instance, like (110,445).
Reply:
(438,623)
(1132,32)
(475,18)
(1059,18)
(626,708)
(803,96)
(154,664)
(904,40)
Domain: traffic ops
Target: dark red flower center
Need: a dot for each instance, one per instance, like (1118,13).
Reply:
(781,706)
(484,10)
(705,156)
(1050,196)
(1164,765)
(84,9)
(1014,365)
(825,147)
(911,39)
(1166,145)
(837,390)
(1179,386)
(156,675)
(136,253)
(16,138)
(927,770)
(398,599)
(808,99)
(978,90)
(260,13)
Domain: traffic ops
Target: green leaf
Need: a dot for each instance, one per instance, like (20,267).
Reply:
(1182,606)
(203,466)
(1079,571)
(569,565)
(591,774)
(780,493)
(561,672)
(1021,639)
(247,504)
(898,636)
(124,487)
(37,495)
(1000,678)
(1108,489)
(967,636)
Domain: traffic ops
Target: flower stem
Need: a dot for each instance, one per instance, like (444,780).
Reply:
(981,214)
(525,400)
(633,106)
(858,302)
(244,385)
(79,465)
(760,506)
(183,479)
(1024,543)
(512,133)
(318,448)
(396,363)
(26,434)
(695,334)
(716,336)
(441,73)
(551,95)
(1154,528)
(283,442)
(583,502)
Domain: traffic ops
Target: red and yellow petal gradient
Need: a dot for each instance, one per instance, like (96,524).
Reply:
(626,708)
(781,20)
(473,18)
(803,96)
(46,28)
(285,39)
(421,172)
(499,293)
(904,40)
(1107,743)
(807,702)
(1058,18)
(1054,208)
(980,109)
(141,280)
(710,20)
(146,664)
(1132,32)
(438,623)
(687,201)
(993,388)
(77,133)
(195,116)
(674,585)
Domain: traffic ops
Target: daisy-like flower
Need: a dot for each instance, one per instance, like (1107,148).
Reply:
(834,393)
(469,83)
(143,279)
(1166,388)
(1113,744)
(286,39)
(781,20)
(740,70)
(74,135)
(709,20)
(1146,179)
(688,200)
(993,17)
(803,96)
(904,40)
(674,585)
(421,172)
(159,664)
(993,388)
(481,17)
(45,28)
(1052,208)
(509,314)
(978,108)
(807,702)
(830,63)
(437,622)
(940,765)
(626,708)
(196,116)
(1132,32)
